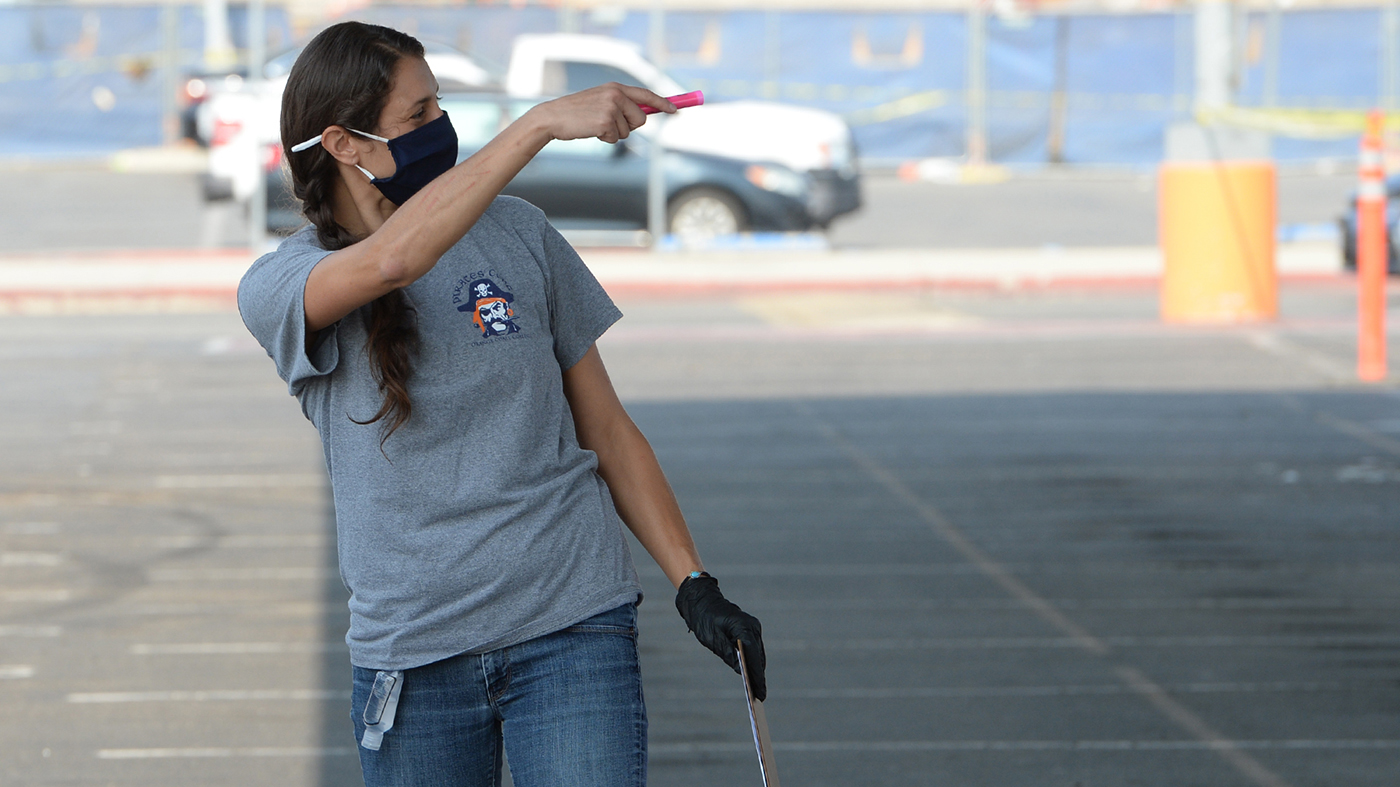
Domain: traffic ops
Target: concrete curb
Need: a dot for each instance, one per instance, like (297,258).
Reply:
(887,268)
(180,280)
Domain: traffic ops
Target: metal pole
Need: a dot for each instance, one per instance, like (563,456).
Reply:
(1214,59)
(568,18)
(1390,55)
(257,55)
(218,47)
(656,181)
(1059,102)
(976,84)
(1272,38)
(1181,63)
(656,172)
(772,54)
(656,34)
(170,81)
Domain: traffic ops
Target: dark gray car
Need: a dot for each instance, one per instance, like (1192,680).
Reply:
(590,184)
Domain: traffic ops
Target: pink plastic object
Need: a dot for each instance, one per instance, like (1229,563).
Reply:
(692,99)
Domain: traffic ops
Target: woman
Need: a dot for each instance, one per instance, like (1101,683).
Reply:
(441,339)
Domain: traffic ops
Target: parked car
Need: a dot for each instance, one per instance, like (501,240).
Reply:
(590,184)
(1347,223)
(792,149)
(802,139)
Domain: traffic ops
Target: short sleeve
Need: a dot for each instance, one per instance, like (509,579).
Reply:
(580,310)
(271,300)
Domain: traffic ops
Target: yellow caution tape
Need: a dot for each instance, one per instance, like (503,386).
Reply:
(1300,123)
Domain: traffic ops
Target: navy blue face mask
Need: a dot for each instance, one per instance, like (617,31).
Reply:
(419,156)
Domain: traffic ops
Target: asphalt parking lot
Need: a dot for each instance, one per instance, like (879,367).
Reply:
(1026,537)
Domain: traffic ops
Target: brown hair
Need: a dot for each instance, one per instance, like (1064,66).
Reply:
(343,78)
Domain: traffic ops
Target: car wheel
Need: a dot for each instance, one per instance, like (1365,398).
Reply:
(705,213)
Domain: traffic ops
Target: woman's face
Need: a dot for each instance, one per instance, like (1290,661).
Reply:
(412,102)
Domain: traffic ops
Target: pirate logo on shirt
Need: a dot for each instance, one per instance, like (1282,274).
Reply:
(490,309)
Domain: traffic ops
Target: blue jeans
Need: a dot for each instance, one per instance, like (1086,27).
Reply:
(566,706)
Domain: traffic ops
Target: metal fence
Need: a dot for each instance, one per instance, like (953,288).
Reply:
(1074,88)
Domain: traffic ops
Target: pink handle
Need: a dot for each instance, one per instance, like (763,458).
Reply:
(692,99)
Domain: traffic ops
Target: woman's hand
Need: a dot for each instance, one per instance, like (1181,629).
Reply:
(608,112)
(717,622)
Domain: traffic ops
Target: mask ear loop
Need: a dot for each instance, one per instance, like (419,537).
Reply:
(299,147)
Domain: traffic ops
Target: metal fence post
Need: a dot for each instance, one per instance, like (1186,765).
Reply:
(257,54)
(656,34)
(1390,55)
(772,54)
(656,182)
(1183,69)
(1272,28)
(976,83)
(1214,57)
(170,74)
(656,173)
(1059,103)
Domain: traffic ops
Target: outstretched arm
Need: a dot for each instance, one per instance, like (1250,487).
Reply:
(410,242)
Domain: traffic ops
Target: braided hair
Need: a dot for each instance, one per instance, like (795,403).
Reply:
(343,78)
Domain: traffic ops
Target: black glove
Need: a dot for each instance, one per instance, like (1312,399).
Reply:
(718,622)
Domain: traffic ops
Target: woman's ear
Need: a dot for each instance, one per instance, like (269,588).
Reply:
(340,144)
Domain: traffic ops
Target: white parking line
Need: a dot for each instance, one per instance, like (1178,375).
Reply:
(1004,746)
(164,754)
(1089,604)
(16,671)
(233,648)
(30,559)
(996,643)
(309,541)
(31,528)
(1271,343)
(31,631)
(35,594)
(233,695)
(290,609)
(290,573)
(823,571)
(951,692)
(955,538)
(819,747)
(1347,427)
(239,481)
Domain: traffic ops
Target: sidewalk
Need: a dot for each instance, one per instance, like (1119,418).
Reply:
(195,280)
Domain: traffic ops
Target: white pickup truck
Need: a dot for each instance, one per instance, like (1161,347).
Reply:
(815,144)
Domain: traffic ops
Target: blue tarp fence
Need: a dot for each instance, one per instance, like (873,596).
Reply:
(80,80)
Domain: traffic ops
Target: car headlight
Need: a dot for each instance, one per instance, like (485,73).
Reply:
(779,179)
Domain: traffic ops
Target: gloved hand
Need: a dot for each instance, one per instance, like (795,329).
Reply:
(718,622)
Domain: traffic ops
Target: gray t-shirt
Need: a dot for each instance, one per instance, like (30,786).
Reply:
(483,523)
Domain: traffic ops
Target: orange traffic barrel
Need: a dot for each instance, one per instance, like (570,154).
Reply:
(1216,221)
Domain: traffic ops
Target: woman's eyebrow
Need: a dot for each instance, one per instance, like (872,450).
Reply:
(415,106)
